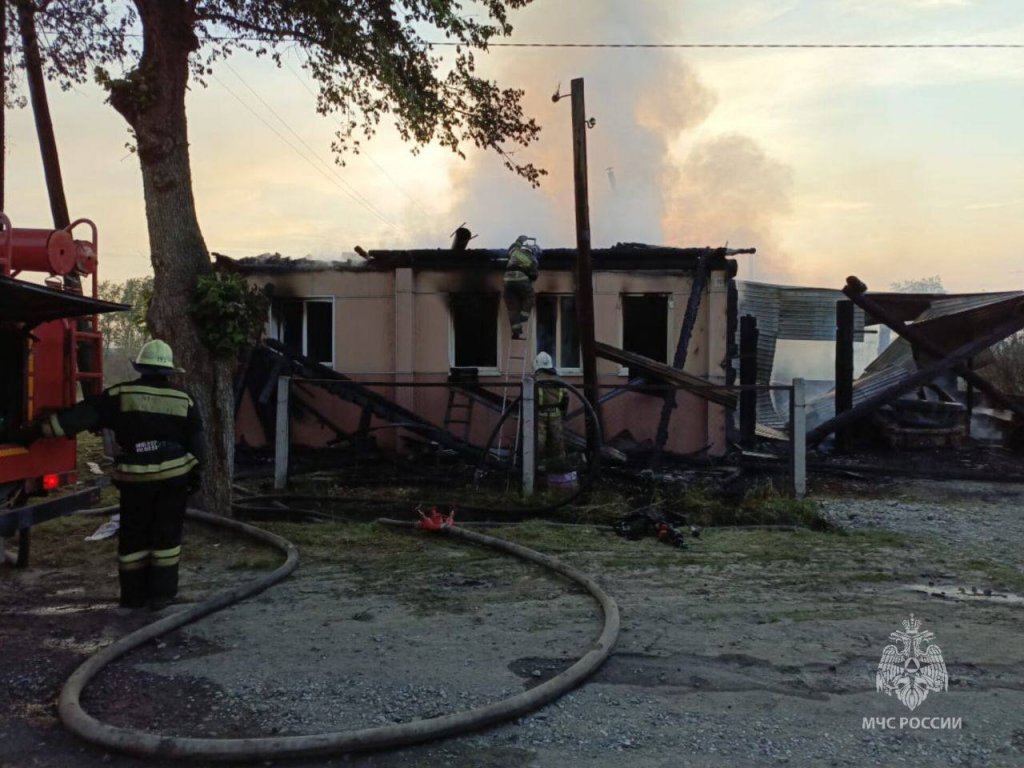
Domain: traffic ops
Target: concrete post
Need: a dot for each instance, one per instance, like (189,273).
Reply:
(529,435)
(844,367)
(405,337)
(798,438)
(718,351)
(281,434)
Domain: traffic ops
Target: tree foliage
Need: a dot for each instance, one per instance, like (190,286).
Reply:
(126,331)
(230,313)
(1007,368)
(372,60)
(932,284)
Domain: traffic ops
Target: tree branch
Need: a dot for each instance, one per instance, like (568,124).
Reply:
(273,35)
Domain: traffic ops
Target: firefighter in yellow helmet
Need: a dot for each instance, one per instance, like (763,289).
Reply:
(160,436)
(521,271)
(552,403)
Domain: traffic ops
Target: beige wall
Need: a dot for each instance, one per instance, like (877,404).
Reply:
(395,326)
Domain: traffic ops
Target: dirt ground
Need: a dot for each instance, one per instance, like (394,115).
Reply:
(750,647)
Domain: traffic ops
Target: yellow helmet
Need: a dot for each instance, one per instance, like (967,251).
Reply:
(156,356)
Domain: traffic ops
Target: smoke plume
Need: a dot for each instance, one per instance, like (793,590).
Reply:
(651,180)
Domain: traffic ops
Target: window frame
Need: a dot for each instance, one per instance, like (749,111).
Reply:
(670,306)
(559,369)
(275,328)
(482,370)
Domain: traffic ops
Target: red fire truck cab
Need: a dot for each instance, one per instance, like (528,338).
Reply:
(51,352)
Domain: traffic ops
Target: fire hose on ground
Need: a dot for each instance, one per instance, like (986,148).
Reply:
(145,744)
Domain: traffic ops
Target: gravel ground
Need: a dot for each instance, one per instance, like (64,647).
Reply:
(749,648)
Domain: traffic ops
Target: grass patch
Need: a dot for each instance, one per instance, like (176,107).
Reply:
(60,543)
(762,504)
(997,574)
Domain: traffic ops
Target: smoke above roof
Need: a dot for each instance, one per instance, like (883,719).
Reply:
(656,174)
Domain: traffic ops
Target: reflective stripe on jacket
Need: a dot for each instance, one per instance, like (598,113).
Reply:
(550,398)
(156,426)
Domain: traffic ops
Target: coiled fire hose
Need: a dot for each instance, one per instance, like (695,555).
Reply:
(145,744)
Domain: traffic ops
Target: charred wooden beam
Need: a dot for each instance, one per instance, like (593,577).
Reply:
(918,378)
(695,385)
(844,365)
(857,291)
(351,391)
(700,279)
(748,378)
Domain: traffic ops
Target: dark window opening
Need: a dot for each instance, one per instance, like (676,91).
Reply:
(320,331)
(557,333)
(475,330)
(305,327)
(12,383)
(645,326)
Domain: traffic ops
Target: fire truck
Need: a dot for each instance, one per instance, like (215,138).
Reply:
(51,352)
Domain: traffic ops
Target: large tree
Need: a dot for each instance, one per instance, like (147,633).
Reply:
(371,61)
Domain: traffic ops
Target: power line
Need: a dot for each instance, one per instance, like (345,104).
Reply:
(331,178)
(362,153)
(738,46)
(796,46)
(313,153)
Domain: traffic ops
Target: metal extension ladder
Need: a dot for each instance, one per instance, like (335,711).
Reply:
(459,411)
(515,365)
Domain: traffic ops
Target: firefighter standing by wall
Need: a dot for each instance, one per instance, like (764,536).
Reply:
(552,403)
(158,430)
(521,270)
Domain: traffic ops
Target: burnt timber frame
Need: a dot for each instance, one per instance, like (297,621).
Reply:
(341,386)
(857,291)
(700,279)
(748,380)
(919,377)
(702,388)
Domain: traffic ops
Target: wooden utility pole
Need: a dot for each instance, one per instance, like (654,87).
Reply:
(844,367)
(748,378)
(584,272)
(41,112)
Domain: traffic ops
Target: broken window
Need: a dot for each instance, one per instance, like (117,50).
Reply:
(474,330)
(557,333)
(645,326)
(305,327)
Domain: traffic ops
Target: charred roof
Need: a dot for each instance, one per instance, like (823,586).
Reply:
(621,257)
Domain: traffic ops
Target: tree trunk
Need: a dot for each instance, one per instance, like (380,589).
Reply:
(152,100)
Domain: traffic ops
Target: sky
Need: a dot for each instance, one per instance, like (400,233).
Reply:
(888,164)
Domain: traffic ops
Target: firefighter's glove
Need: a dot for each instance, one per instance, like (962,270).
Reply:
(195,482)
(28,434)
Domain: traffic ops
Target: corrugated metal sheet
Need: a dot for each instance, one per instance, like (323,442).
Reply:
(910,307)
(823,408)
(767,413)
(810,314)
(899,354)
(965,303)
(790,312)
(761,301)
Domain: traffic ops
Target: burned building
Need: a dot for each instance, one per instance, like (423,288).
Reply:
(415,316)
